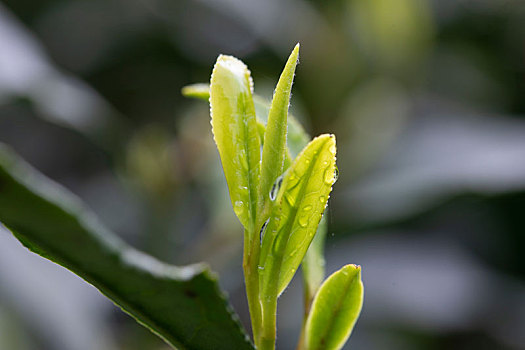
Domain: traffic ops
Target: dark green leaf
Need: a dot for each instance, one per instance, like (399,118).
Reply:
(183,305)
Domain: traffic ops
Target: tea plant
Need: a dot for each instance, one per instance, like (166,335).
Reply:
(279,184)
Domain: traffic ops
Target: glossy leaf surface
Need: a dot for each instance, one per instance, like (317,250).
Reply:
(335,310)
(183,305)
(300,204)
(274,148)
(236,134)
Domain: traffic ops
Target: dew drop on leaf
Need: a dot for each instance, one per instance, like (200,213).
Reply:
(263,230)
(328,176)
(303,221)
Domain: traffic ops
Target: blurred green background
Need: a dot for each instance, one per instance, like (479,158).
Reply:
(426,98)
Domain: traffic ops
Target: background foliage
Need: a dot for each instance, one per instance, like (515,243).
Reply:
(426,99)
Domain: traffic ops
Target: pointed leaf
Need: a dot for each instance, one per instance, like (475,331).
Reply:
(275,136)
(301,201)
(182,305)
(236,134)
(335,310)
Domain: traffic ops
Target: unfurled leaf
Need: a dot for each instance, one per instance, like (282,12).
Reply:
(274,148)
(300,204)
(183,305)
(335,310)
(236,134)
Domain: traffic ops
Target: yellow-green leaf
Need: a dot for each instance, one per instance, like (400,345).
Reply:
(274,148)
(236,134)
(300,204)
(335,310)
(199,91)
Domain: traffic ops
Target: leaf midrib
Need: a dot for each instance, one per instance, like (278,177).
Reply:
(337,311)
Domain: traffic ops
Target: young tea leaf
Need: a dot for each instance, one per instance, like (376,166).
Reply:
(274,148)
(236,134)
(301,201)
(335,310)
(183,305)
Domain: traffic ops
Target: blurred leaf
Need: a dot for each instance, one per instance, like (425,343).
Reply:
(199,91)
(235,131)
(273,153)
(335,310)
(183,305)
(301,201)
(314,263)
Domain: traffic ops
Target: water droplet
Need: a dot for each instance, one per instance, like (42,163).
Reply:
(328,177)
(276,187)
(307,161)
(263,230)
(336,173)
(332,149)
(238,208)
(322,199)
(303,221)
(261,267)
(307,208)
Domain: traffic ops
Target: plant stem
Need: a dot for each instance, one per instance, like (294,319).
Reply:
(269,315)
(269,309)
(251,278)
